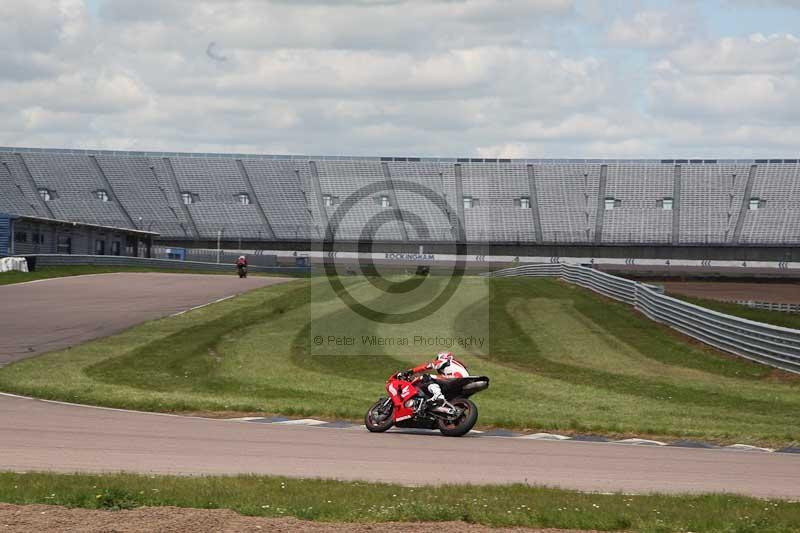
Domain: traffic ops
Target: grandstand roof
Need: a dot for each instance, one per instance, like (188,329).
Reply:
(78,224)
(692,160)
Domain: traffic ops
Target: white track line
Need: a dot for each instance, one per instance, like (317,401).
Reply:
(117,409)
(179,313)
(641,442)
(748,448)
(53,279)
(544,436)
(312,422)
(301,422)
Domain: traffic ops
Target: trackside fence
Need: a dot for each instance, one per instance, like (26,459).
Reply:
(771,306)
(112,260)
(771,345)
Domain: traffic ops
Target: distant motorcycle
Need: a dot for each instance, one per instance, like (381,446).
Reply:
(242,270)
(406,408)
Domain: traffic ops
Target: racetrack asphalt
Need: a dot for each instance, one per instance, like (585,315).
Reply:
(53,314)
(38,435)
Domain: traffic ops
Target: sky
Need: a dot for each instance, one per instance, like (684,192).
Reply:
(433,78)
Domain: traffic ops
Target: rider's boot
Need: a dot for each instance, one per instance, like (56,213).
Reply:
(437,398)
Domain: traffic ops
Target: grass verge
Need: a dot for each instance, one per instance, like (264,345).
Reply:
(9,278)
(560,357)
(323,500)
(777,318)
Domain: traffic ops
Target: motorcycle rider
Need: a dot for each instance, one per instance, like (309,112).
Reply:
(447,367)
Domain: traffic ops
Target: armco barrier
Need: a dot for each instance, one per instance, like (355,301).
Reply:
(111,260)
(765,343)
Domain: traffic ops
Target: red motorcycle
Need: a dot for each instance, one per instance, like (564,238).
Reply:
(407,407)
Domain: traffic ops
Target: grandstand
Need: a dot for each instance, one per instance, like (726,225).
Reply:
(265,198)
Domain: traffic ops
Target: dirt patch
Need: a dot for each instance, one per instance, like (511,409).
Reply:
(25,518)
(786,293)
(782,376)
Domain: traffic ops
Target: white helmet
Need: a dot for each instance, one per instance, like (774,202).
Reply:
(442,360)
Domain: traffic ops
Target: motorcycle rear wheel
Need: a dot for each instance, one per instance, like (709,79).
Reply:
(464,423)
(379,424)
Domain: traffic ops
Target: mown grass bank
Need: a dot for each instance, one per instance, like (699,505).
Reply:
(560,357)
(511,505)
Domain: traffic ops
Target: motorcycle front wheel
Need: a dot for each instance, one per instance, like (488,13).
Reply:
(464,423)
(380,417)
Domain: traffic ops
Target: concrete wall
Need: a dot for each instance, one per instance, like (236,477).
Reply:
(105,260)
(5,234)
(711,252)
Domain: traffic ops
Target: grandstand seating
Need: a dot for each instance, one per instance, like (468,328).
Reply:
(640,188)
(74,181)
(173,205)
(12,195)
(282,187)
(355,180)
(710,203)
(215,184)
(427,191)
(567,198)
(498,217)
(146,199)
(254,197)
(778,185)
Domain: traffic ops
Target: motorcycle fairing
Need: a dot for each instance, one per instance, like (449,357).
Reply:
(400,392)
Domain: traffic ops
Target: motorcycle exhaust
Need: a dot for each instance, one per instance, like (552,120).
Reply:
(476,386)
(448,410)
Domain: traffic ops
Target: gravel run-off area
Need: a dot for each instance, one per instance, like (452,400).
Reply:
(26,518)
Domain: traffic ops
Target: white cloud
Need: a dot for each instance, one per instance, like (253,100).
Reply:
(401,24)
(742,97)
(512,78)
(36,36)
(749,79)
(104,92)
(650,29)
(756,53)
(766,4)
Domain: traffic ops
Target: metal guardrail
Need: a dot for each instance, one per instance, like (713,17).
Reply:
(112,260)
(771,345)
(210,256)
(531,269)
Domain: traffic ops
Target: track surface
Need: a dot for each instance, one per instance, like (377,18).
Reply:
(57,313)
(38,435)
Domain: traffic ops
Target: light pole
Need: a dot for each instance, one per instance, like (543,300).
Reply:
(219,240)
